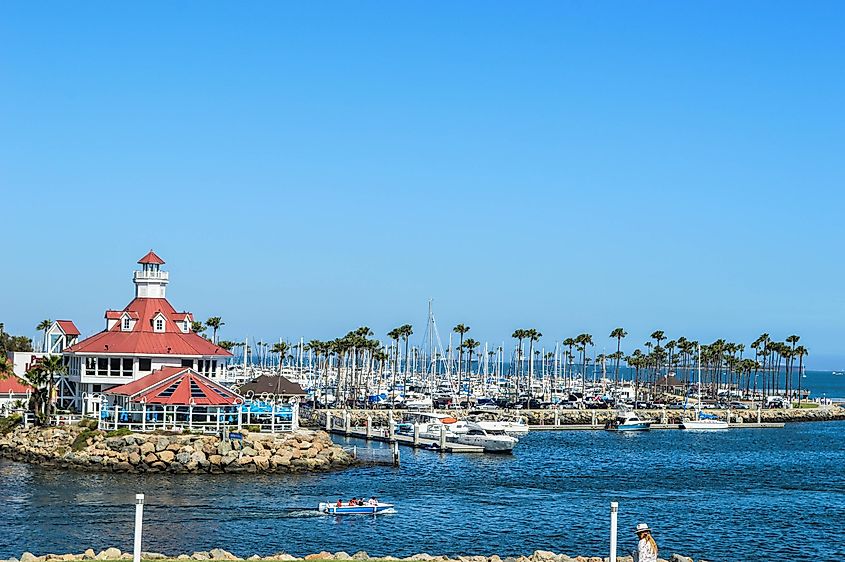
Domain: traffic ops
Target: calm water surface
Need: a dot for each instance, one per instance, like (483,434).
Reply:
(735,495)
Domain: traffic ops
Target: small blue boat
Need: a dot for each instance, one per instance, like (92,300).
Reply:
(334,509)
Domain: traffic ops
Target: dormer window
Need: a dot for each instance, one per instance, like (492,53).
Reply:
(185,326)
(159,325)
(126,324)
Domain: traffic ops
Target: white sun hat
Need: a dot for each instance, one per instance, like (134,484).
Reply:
(642,528)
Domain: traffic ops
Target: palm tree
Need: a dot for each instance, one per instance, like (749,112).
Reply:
(6,368)
(532,335)
(793,339)
(518,335)
(227,345)
(197,327)
(406,331)
(281,348)
(52,365)
(800,352)
(583,340)
(38,379)
(395,334)
(214,323)
(43,326)
(618,333)
(570,343)
(460,329)
(470,345)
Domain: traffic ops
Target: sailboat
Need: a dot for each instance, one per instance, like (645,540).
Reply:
(707,422)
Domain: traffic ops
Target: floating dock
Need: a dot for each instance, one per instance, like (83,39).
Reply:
(379,434)
(588,427)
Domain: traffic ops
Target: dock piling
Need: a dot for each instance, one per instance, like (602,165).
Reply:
(139,523)
(442,437)
(369,427)
(614,508)
(416,435)
(390,429)
(347,423)
(395,454)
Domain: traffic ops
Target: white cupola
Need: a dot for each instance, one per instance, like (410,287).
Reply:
(151,281)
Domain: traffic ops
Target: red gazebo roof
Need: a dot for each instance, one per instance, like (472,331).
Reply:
(177,386)
(151,258)
(68,327)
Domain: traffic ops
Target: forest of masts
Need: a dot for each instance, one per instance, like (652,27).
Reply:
(361,363)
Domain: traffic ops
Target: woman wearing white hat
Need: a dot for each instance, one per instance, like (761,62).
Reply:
(646,548)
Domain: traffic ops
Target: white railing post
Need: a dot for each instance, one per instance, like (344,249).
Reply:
(614,508)
(273,418)
(139,523)
(116,412)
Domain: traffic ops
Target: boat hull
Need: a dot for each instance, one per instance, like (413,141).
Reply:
(640,426)
(332,509)
(704,424)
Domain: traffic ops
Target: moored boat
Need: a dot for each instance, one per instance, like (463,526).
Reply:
(628,421)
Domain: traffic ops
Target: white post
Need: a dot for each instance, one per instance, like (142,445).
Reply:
(328,421)
(115,410)
(390,428)
(416,434)
(143,415)
(614,508)
(442,438)
(273,418)
(369,427)
(139,523)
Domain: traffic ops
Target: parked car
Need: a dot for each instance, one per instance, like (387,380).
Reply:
(739,406)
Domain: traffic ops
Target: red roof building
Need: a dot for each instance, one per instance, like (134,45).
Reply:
(12,389)
(145,336)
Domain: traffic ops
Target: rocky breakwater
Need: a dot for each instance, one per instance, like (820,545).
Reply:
(220,554)
(75,447)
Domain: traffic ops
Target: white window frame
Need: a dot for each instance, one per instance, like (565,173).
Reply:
(159,324)
(126,323)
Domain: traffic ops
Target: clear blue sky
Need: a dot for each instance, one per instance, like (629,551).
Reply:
(306,168)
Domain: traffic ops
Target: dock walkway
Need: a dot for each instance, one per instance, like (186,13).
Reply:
(380,434)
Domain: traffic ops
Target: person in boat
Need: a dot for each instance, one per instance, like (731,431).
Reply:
(646,547)
(339,502)
(353,502)
(372,501)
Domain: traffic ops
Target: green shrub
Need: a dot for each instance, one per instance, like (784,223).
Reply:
(88,423)
(253,428)
(9,423)
(81,440)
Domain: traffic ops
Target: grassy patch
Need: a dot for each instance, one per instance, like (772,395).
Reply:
(81,440)
(119,432)
(805,405)
(88,423)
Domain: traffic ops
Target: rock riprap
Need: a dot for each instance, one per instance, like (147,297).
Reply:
(74,447)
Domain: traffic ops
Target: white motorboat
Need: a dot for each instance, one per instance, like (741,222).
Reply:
(513,428)
(477,436)
(704,423)
(628,421)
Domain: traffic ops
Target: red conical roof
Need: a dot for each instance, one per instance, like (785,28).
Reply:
(151,258)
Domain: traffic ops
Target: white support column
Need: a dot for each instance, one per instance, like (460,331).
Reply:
(416,434)
(273,418)
(139,523)
(116,414)
(443,438)
(143,416)
(369,427)
(614,508)
(391,436)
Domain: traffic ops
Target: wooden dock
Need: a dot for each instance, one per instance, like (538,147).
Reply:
(380,434)
(587,427)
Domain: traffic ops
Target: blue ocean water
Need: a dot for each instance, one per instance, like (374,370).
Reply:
(744,494)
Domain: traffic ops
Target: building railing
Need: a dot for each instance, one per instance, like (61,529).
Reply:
(269,418)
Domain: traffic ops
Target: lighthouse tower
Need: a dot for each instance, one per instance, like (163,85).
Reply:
(151,281)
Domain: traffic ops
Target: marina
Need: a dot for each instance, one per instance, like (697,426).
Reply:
(574,474)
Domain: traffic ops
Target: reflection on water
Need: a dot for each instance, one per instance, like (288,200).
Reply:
(724,496)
